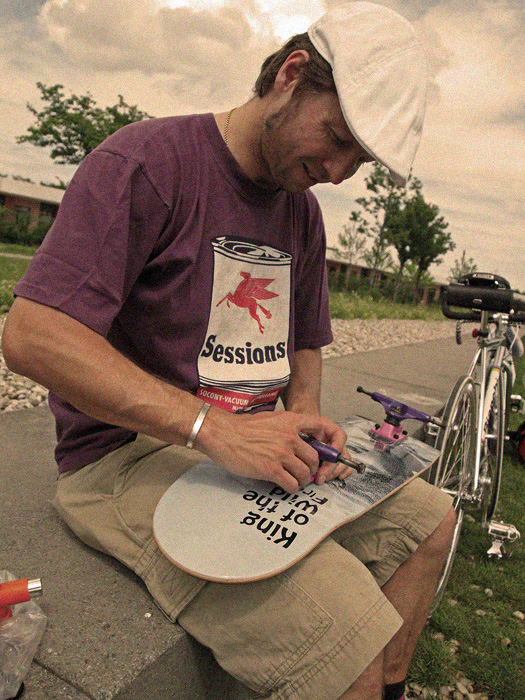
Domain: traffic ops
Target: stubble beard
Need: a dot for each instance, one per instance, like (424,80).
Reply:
(274,148)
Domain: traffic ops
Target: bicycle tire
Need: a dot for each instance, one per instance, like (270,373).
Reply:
(492,455)
(454,468)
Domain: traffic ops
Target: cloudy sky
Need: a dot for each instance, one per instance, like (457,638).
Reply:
(185,56)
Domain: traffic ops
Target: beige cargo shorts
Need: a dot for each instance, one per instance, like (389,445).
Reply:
(305,634)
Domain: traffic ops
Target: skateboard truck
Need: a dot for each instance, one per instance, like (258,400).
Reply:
(390,433)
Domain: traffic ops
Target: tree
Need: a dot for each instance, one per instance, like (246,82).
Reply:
(73,126)
(398,234)
(426,233)
(411,273)
(353,238)
(399,217)
(384,199)
(378,258)
(20,231)
(352,241)
(413,229)
(461,267)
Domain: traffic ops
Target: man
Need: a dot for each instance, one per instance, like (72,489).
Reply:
(180,293)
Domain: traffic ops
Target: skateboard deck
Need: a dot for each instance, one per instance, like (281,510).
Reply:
(230,529)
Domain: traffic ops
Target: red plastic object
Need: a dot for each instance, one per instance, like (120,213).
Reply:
(11,593)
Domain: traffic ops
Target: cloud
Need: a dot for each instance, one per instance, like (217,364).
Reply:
(513,116)
(204,55)
(19,9)
(488,47)
(473,152)
(202,52)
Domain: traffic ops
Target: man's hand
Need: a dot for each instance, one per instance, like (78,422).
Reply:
(268,446)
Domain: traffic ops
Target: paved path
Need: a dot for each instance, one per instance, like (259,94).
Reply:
(421,375)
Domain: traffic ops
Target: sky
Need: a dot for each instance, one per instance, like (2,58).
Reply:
(187,56)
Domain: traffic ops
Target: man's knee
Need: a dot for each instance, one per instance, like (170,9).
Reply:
(439,541)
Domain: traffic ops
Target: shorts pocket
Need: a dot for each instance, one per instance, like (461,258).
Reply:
(257,631)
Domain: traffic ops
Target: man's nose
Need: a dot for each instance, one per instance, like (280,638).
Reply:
(342,166)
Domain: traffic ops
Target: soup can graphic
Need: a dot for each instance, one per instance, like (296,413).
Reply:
(243,363)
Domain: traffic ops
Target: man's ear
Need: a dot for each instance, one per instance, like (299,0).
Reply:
(290,73)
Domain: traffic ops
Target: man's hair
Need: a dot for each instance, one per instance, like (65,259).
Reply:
(316,74)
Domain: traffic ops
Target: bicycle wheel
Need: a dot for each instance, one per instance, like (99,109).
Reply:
(454,469)
(492,451)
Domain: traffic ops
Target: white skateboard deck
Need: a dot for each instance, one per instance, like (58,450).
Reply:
(230,529)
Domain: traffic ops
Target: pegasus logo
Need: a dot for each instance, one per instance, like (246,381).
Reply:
(247,296)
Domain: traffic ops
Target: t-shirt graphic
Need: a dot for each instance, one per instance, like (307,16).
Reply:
(243,362)
(248,295)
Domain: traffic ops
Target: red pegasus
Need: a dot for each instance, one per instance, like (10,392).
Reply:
(247,294)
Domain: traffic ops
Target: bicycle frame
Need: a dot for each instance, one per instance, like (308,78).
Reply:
(491,371)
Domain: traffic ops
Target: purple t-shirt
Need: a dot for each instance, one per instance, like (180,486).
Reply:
(165,247)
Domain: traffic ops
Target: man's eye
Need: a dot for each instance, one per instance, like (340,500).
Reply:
(336,139)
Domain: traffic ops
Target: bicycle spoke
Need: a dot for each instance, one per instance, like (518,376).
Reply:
(455,464)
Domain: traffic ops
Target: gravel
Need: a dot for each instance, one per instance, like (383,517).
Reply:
(17,393)
(361,335)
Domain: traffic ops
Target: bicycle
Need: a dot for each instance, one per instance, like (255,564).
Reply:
(472,434)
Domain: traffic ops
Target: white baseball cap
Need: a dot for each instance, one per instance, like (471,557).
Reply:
(379,70)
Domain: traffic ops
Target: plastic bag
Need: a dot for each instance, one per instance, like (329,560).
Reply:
(20,636)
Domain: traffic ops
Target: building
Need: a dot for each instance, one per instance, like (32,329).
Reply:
(342,273)
(20,198)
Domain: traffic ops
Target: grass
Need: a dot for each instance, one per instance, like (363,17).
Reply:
(491,645)
(17,249)
(11,270)
(354,305)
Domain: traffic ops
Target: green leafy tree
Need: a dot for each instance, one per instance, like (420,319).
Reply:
(429,238)
(462,266)
(73,126)
(378,258)
(419,235)
(352,241)
(400,218)
(18,230)
(354,237)
(383,199)
(411,274)
(399,232)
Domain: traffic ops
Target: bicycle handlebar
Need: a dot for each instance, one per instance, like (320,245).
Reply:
(478,299)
